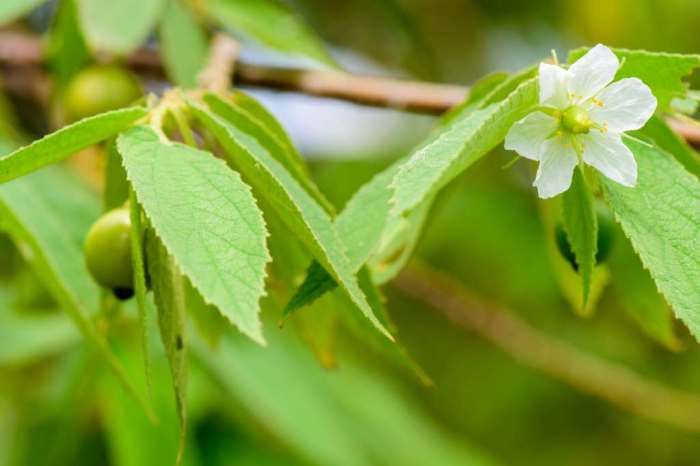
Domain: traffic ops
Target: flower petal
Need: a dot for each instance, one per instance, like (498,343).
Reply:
(607,153)
(554,89)
(556,167)
(527,135)
(624,105)
(592,72)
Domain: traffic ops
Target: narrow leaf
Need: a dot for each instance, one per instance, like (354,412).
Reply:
(581,226)
(458,146)
(118,27)
(65,34)
(183,44)
(661,217)
(271,24)
(295,206)
(116,188)
(66,141)
(206,217)
(169,295)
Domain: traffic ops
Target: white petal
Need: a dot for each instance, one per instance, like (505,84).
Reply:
(556,167)
(607,153)
(624,105)
(592,72)
(527,135)
(554,89)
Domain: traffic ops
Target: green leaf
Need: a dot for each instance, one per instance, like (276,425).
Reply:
(67,141)
(48,214)
(581,226)
(65,34)
(458,146)
(116,188)
(246,114)
(662,72)
(29,339)
(271,24)
(169,295)
(183,45)
(138,263)
(295,206)
(206,217)
(661,217)
(118,27)
(638,297)
(664,137)
(316,283)
(13,9)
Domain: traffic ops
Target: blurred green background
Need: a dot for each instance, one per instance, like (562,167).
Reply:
(278,405)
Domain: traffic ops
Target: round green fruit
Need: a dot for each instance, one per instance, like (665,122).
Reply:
(98,89)
(605,239)
(108,252)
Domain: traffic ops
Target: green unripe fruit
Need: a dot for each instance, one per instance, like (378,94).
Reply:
(98,89)
(576,120)
(605,239)
(108,252)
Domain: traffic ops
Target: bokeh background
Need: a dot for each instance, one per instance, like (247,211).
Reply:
(278,405)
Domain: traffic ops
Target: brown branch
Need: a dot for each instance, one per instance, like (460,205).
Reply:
(223,53)
(613,382)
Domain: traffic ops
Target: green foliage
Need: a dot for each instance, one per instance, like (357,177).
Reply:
(662,72)
(207,219)
(293,204)
(118,27)
(269,23)
(183,44)
(13,9)
(66,141)
(581,226)
(65,34)
(661,216)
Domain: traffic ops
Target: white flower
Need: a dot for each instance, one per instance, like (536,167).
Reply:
(581,118)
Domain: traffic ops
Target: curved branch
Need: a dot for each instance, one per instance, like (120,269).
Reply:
(557,358)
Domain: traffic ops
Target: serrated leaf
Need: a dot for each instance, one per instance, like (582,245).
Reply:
(169,295)
(183,44)
(295,206)
(48,214)
(638,297)
(663,136)
(13,9)
(459,145)
(67,141)
(248,115)
(118,27)
(661,217)
(662,72)
(206,217)
(581,226)
(271,24)
(65,34)
(138,264)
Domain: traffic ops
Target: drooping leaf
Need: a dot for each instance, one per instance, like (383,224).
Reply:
(13,9)
(183,44)
(246,114)
(65,34)
(638,297)
(662,72)
(206,217)
(118,27)
(66,141)
(138,264)
(48,214)
(169,295)
(294,205)
(581,226)
(661,217)
(271,24)
(459,145)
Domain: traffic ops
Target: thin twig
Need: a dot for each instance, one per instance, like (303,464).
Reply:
(616,383)
(217,74)
(23,50)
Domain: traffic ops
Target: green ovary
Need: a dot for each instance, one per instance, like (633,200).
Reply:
(576,120)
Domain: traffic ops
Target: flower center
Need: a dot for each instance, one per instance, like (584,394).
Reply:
(576,120)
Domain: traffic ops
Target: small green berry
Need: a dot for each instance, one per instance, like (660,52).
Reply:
(108,252)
